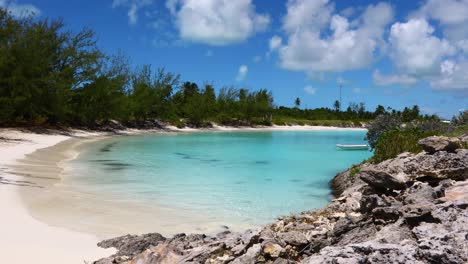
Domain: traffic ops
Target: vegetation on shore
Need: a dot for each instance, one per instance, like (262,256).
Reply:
(389,136)
(52,76)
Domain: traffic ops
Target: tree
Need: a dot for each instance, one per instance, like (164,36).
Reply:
(337,106)
(297,102)
(380,110)
(41,64)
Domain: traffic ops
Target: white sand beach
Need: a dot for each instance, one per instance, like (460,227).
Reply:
(25,239)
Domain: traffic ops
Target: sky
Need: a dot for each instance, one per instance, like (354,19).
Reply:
(395,53)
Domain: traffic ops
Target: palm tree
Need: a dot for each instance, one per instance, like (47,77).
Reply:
(297,102)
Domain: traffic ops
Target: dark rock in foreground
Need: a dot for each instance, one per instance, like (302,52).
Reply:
(411,209)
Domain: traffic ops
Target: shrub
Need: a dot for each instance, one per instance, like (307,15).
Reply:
(357,123)
(355,169)
(395,142)
(461,119)
(379,126)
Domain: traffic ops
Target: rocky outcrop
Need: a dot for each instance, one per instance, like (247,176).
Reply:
(411,209)
(434,144)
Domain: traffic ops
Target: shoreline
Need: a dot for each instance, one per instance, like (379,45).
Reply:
(22,231)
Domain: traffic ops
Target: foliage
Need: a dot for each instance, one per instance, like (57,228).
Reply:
(461,119)
(355,169)
(395,142)
(49,75)
(379,126)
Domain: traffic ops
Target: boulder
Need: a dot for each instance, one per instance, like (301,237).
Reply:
(131,245)
(380,179)
(435,144)
(272,250)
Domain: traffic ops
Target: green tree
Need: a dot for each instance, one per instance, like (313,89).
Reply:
(41,64)
(337,106)
(297,102)
(380,110)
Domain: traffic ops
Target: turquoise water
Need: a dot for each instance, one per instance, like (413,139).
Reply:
(247,177)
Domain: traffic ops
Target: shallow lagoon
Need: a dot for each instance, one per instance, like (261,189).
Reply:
(236,178)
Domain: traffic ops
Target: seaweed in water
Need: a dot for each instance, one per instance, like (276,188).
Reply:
(212,160)
(108,147)
(295,180)
(117,164)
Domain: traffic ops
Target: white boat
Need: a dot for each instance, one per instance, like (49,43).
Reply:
(352,147)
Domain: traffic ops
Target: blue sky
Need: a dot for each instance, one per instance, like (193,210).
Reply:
(395,53)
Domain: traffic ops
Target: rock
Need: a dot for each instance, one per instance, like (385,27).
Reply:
(294,238)
(420,192)
(435,144)
(161,254)
(132,245)
(439,166)
(251,256)
(381,180)
(272,250)
(343,181)
(368,252)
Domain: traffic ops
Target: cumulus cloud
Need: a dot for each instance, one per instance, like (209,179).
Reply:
(394,79)
(242,73)
(349,46)
(20,10)
(133,6)
(452,15)
(216,22)
(275,43)
(415,50)
(453,76)
(310,90)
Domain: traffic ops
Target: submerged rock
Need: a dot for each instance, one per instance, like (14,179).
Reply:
(411,209)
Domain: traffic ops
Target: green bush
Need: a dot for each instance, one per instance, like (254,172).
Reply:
(355,169)
(395,142)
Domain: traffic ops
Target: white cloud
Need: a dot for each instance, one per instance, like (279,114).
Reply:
(217,22)
(310,90)
(275,43)
(342,81)
(257,59)
(394,79)
(20,10)
(452,15)
(306,14)
(453,76)
(357,90)
(415,50)
(133,7)
(348,47)
(242,73)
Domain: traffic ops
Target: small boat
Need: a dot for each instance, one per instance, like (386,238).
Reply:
(352,147)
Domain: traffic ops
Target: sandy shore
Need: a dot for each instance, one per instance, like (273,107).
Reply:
(25,239)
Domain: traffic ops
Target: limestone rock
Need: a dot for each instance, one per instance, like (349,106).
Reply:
(381,180)
(435,144)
